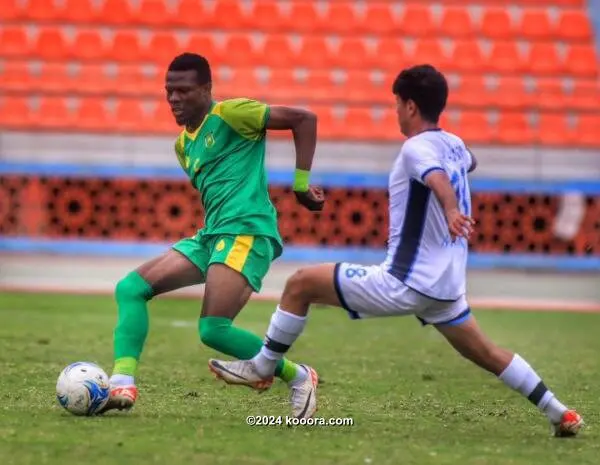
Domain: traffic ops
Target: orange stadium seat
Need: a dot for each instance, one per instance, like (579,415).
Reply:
(54,78)
(80,11)
(574,25)
(513,128)
(304,17)
(51,44)
(131,116)
(15,76)
(549,94)
(14,112)
(474,127)
(117,13)
(352,53)
(512,93)
(204,45)
(467,56)
(432,51)
(470,92)
(162,119)
(582,60)
(585,95)
(267,16)
(505,57)
(96,80)
(587,130)
(155,13)
(53,113)
(496,23)
(161,48)
(191,14)
(315,52)
(379,19)
(417,20)
(41,10)
(552,129)
(227,14)
(133,80)
(341,18)
(92,114)
(240,51)
(125,46)
(11,11)
(535,25)
(391,54)
(89,45)
(14,42)
(457,22)
(543,58)
(278,51)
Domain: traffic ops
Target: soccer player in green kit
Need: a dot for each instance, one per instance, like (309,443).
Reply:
(222,150)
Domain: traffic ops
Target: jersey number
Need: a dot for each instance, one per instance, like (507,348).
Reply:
(459,184)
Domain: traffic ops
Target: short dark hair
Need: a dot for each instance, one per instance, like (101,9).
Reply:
(426,86)
(192,62)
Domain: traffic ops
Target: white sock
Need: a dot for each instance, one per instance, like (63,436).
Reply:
(519,376)
(283,330)
(121,380)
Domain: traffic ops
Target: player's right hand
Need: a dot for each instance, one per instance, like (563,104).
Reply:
(313,199)
(459,225)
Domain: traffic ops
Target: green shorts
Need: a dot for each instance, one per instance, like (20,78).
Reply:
(251,256)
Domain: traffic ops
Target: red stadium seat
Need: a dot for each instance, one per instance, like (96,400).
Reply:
(432,51)
(474,127)
(192,14)
(352,54)
(304,17)
(390,54)
(54,78)
(267,16)
(131,117)
(11,11)
(585,95)
(549,94)
(240,51)
(93,79)
(553,129)
(587,130)
(204,45)
(315,52)
(574,25)
(161,48)
(92,115)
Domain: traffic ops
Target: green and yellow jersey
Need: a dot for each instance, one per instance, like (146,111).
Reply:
(225,161)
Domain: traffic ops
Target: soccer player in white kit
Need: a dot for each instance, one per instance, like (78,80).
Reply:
(424,273)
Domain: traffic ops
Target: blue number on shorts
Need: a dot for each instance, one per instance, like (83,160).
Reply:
(459,184)
(355,272)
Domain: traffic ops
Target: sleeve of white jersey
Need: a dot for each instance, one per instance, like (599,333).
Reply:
(420,160)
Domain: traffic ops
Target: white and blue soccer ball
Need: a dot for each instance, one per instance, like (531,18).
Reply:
(83,388)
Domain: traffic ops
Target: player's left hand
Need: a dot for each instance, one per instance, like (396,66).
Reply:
(459,225)
(313,199)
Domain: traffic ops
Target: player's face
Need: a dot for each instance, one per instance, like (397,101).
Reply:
(405,111)
(187,99)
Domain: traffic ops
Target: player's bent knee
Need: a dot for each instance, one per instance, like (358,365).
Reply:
(133,287)
(298,285)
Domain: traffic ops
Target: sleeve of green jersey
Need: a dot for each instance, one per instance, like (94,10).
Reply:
(179,151)
(247,117)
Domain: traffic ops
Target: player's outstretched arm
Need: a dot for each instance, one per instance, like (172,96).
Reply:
(303,125)
(459,225)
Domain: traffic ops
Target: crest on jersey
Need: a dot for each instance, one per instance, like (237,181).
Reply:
(209,140)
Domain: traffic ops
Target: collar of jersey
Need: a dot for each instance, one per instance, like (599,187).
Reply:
(193,135)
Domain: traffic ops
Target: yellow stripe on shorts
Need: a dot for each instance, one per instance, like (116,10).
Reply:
(237,256)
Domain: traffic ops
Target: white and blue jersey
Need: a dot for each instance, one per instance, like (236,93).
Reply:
(424,272)
(420,251)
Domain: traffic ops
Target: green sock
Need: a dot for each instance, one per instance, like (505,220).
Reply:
(220,334)
(132,294)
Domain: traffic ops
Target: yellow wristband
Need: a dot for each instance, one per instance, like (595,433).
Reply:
(301,180)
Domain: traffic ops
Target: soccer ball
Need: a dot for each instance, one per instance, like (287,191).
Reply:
(82,388)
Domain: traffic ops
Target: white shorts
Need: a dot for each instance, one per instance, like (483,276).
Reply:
(370,291)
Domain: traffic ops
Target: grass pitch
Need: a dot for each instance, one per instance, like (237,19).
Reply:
(412,400)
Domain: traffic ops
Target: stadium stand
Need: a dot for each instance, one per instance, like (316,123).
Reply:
(524,74)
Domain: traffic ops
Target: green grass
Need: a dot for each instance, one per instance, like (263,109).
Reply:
(413,401)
